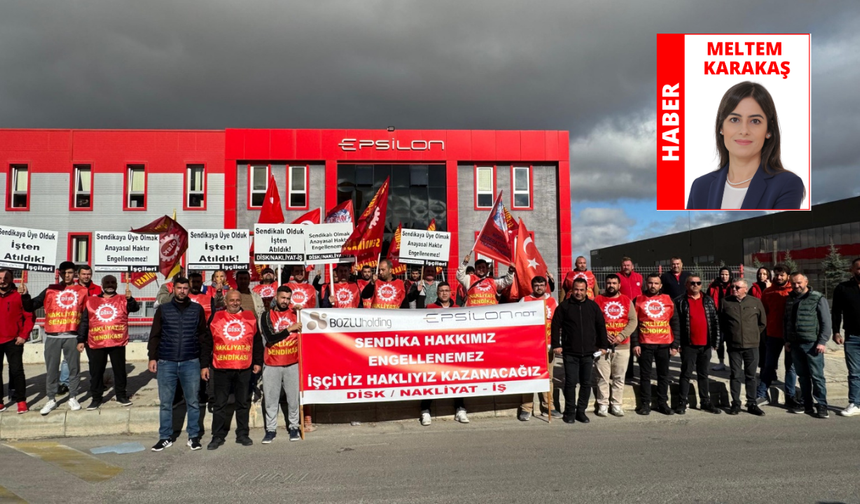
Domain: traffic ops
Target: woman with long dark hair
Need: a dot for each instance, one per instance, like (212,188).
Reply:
(720,288)
(762,282)
(750,175)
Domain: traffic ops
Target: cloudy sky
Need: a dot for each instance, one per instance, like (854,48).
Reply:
(586,67)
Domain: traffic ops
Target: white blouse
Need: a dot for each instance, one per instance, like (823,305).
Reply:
(733,198)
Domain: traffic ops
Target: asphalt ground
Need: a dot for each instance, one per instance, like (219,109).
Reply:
(698,457)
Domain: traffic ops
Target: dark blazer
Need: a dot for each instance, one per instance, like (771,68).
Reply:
(672,286)
(780,191)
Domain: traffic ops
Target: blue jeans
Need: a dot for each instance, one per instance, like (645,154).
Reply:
(187,373)
(810,370)
(852,359)
(774,347)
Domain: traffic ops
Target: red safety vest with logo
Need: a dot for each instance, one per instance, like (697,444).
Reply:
(482,291)
(108,321)
(304,295)
(573,275)
(365,303)
(346,295)
(551,305)
(63,308)
(388,295)
(233,339)
(654,314)
(616,311)
(266,292)
(204,300)
(284,352)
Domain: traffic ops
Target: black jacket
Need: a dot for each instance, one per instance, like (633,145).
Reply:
(846,308)
(578,327)
(673,287)
(131,306)
(742,321)
(682,309)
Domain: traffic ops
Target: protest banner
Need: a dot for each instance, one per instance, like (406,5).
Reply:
(324,243)
(211,249)
(28,249)
(125,252)
(419,246)
(365,355)
(279,243)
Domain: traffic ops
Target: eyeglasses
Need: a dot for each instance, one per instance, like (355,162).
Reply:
(695,283)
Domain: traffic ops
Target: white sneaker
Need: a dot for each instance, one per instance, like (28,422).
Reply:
(52,405)
(425,418)
(617,411)
(461,416)
(602,410)
(719,367)
(851,410)
(74,405)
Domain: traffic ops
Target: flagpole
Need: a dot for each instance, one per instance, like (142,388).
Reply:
(301,407)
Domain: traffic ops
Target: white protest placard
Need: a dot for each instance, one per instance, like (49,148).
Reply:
(430,248)
(125,252)
(211,249)
(28,249)
(279,243)
(323,243)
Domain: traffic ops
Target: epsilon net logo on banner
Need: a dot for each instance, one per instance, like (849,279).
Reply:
(733,121)
(367,355)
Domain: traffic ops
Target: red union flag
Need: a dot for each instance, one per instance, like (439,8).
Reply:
(529,262)
(365,242)
(493,240)
(172,242)
(365,355)
(141,280)
(394,253)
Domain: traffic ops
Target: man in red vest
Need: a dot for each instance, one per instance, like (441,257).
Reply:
(443,300)
(482,289)
(267,286)
(280,329)
(610,368)
(342,293)
(580,271)
(15,327)
(304,294)
(64,304)
(386,292)
(196,294)
(655,341)
(104,333)
(539,294)
(364,278)
(234,350)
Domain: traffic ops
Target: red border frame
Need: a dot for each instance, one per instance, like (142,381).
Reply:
(125,206)
(307,187)
(72,207)
(531,187)
(9,167)
(89,248)
(185,188)
(475,185)
(248,183)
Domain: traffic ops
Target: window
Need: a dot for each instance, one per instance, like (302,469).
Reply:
(485,186)
(135,187)
(298,184)
(18,188)
(79,247)
(195,186)
(258,184)
(82,183)
(521,187)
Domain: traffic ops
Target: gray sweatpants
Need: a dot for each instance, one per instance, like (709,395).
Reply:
(55,350)
(275,378)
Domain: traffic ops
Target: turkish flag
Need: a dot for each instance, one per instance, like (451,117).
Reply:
(271,213)
(529,262)
(493,240)
(312,217)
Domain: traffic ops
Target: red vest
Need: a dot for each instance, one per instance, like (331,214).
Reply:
(654,314)
(304,295)
(482,291)
(204,300)
(388,295)
(266,291)
(616,311)
(63,308)
(436,305)
(346,295)
(365,303)
(284,352)
(233,338)
(551,305)
(108,321)
(573,275)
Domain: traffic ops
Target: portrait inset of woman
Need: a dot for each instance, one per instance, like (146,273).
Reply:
(751,175)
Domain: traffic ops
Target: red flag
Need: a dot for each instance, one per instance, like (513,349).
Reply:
(432,227)
(512,224)
(172,242)
(312,217)
(493,240)
(394,253)
(365,242)
(341,213)
(141,280)
(271,212)
(529,262)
